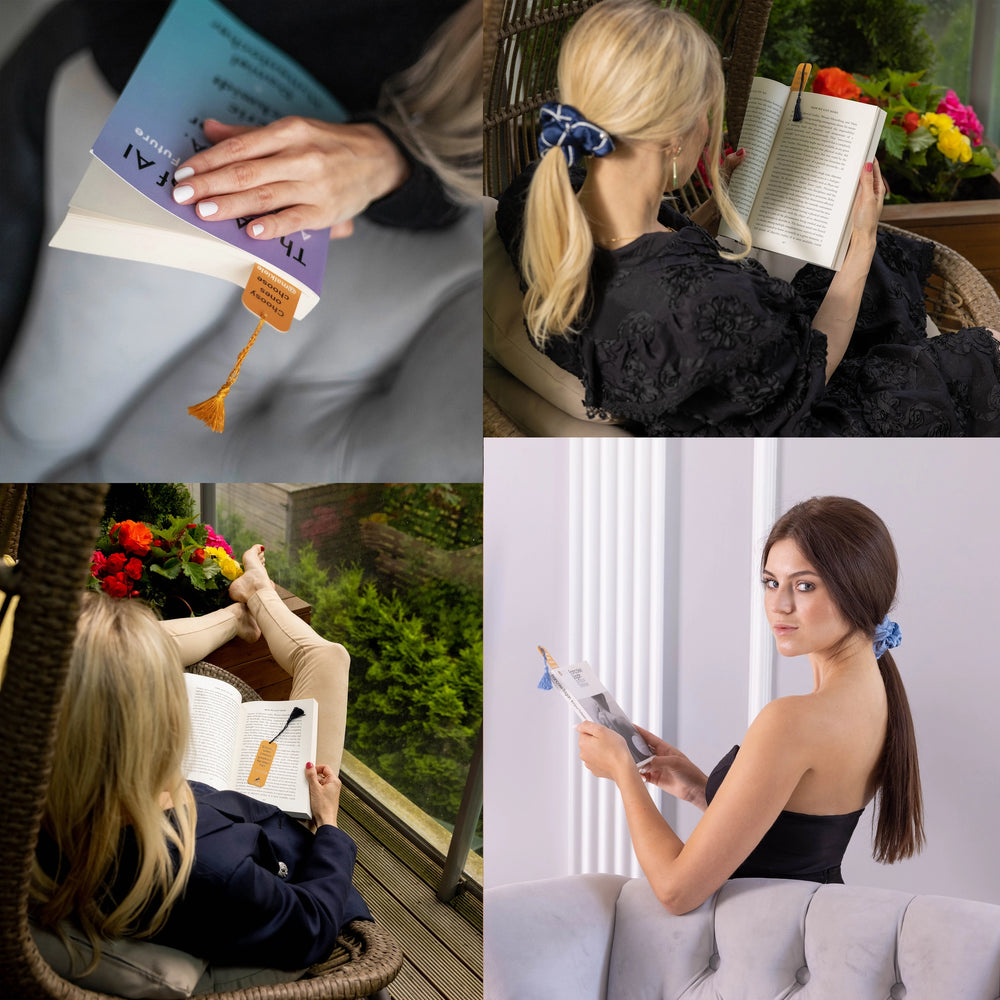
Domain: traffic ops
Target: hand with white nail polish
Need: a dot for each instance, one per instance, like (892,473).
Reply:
(294,174)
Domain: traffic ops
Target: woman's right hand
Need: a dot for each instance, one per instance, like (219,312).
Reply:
(673,772)
(868,204)
(324,793)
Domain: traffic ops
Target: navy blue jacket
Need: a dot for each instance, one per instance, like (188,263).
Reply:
(264,891)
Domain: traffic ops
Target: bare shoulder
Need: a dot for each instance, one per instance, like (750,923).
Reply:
(802,721)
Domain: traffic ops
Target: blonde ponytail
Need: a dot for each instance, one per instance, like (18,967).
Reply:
(642,74)
(557,251)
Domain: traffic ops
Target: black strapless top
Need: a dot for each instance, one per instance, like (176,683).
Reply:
(798,845)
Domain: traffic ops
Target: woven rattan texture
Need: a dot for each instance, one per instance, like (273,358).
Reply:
(957,294)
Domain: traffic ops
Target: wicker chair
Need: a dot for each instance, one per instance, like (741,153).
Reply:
(55,557)
(522,40)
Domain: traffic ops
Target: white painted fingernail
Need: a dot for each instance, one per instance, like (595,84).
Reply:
(184,173)
(182,194)
(257,229)
(207,208)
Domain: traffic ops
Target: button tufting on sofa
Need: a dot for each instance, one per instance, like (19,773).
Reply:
(621,944)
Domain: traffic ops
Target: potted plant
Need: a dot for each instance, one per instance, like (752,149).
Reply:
(180,568)
(943,178)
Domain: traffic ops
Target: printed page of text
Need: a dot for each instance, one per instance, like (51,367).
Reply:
(764,111)
(286,785)
(807,192)
(215,715)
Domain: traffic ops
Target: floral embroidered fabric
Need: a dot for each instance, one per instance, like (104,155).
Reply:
(679,341)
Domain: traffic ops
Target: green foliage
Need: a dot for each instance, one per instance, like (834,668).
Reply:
(858,36)
(154,503)
(788,40)
(448,514)
(416,701)
(863,36)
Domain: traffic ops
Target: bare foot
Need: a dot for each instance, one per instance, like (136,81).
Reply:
(254,576)
(246,626)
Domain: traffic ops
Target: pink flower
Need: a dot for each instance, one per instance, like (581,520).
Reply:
(963,116)
(97,561)
(217,540)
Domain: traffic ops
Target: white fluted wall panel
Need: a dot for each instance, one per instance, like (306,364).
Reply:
(617,542)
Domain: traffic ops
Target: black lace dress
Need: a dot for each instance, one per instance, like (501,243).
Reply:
(798,845)
(680,341)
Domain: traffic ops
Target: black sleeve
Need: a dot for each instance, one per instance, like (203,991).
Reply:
(421,202)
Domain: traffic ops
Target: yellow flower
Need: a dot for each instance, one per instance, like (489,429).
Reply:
(936,123)
(954,145)
(231,569)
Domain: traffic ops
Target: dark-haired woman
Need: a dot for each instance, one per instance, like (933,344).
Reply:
(785,803)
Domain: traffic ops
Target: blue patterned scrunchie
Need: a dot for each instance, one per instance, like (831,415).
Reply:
(887,636)
(564,126)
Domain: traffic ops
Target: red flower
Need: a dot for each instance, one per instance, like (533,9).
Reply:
(115,562)
(836,83)
(911,121)
(97,561)
(115,585)
(132,536)
(198,556)
(133,568)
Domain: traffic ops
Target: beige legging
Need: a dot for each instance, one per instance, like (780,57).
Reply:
(318,668)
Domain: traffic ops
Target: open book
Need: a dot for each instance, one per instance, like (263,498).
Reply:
(201,63)
(592,701)
(236,746)
(797,184)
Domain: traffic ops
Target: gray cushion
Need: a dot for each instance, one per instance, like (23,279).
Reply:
(127,968)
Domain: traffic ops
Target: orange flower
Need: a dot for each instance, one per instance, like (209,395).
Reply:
(132,536)
(836,83)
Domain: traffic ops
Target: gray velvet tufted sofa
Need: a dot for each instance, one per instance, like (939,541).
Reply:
(605,937)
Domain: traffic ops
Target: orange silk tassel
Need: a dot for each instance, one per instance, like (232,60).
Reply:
(213,410)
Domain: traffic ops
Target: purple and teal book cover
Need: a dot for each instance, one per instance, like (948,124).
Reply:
(203,62)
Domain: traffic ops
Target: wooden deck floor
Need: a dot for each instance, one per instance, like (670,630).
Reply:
(396,875)
(442,943)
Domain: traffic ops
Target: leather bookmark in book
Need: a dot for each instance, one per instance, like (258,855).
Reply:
(273,301)
(802,72)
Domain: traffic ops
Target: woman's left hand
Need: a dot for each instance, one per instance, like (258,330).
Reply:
(603,751)
(310,174)
(731,162)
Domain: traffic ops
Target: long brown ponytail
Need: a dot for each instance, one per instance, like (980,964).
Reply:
(900,828)
(851,548)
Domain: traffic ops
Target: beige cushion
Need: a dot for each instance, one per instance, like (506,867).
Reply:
(127,968)
(506,340)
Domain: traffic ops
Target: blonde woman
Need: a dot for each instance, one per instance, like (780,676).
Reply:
(671,334)
(130,849)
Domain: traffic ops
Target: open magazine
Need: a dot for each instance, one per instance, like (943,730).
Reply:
(593,702)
